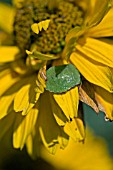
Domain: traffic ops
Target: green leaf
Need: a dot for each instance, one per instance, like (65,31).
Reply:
(62,78)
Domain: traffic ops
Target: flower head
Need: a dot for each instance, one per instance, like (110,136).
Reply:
(59,58)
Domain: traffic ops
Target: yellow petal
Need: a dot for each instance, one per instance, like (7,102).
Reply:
(23,126)
(7,99)
(21,101)
(78,156)
(26,97)
(105,99)
(100,9)
(104,28)
(8,53)
(48,128)
(75,129)
(29,145)
(63,139)
(7,14)
(68,102)
(32,141)
(89,7)
(37,27)
(5,104)
(94,72)
(53,146)
(57,112)
(6,123)
(100,50)
(7,76)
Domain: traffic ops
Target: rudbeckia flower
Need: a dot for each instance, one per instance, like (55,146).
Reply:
(60,56)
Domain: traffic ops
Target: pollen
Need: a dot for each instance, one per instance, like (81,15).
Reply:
(63,16)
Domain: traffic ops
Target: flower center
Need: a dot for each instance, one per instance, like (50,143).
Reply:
(63,16)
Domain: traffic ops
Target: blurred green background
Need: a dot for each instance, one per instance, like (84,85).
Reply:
(7,1)
(15,158)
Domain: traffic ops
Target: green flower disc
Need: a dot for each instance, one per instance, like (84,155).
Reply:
(62,78)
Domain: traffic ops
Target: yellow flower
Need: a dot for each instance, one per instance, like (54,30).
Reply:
(59,55)
(93,154)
